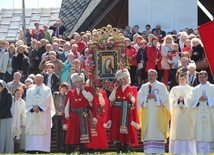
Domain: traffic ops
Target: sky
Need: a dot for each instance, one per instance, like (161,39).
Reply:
(17,4)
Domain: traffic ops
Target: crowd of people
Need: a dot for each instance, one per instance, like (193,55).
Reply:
(46,80)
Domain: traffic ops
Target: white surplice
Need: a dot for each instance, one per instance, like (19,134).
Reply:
(203,119)
(181,131)
(162,99)
(38,125)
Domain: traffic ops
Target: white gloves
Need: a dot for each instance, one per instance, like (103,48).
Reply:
(65,127)
(95,120)
(136,125)
(107,125)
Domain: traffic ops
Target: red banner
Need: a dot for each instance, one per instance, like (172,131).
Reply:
(206,32)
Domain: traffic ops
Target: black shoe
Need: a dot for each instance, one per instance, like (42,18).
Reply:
(125,148)
(119,147)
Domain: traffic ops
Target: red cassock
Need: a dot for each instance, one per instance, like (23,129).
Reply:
(116,115)
(76,102)
(100,141)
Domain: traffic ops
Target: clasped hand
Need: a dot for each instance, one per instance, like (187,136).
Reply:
(35,108)
(181,98)
(150,96)
(203,98)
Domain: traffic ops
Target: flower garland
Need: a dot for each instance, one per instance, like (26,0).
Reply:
(107,85)
(124,59)
(107,43)
(89,65)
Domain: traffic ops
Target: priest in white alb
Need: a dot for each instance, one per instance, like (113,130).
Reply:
(154,116)
(40,109)
(202,99)
(182,138)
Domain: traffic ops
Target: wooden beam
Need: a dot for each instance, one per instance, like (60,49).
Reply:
(121,13)
(103,14)
(86,24)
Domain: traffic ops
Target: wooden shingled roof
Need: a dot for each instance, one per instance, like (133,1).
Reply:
(82,15)
(71,11)
(116,15)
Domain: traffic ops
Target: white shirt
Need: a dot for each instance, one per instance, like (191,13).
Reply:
(123,88)
(49,81)
(66,53)
(78,91)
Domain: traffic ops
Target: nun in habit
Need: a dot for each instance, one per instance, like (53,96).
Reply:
(6,140)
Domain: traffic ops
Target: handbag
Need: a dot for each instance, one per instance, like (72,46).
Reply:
(201,64)
(140,66)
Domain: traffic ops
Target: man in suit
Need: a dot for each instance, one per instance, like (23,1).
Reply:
(66,50)
(192,75)
(42,49)
(58,28)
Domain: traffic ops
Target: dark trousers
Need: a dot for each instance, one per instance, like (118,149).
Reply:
(132,72)
(172,77)
(69,147)
(160,73)
(82,148)
(16,145)
(60,133)
(122,148)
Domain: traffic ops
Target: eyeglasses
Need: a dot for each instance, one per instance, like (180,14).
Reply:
(152,75)
(200,77)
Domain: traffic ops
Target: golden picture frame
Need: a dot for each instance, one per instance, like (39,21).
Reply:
(106,61)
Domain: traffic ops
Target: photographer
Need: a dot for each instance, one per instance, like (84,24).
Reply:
(51,79)
(51,58)
(58,28)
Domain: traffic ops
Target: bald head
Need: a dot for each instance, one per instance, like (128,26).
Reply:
(39,79)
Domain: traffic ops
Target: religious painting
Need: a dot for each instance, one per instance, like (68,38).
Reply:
(107,55)
(106,64)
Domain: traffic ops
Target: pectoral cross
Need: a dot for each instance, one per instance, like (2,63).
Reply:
(204,93)
(37,92)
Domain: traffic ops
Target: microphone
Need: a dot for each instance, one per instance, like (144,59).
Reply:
(150,88)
